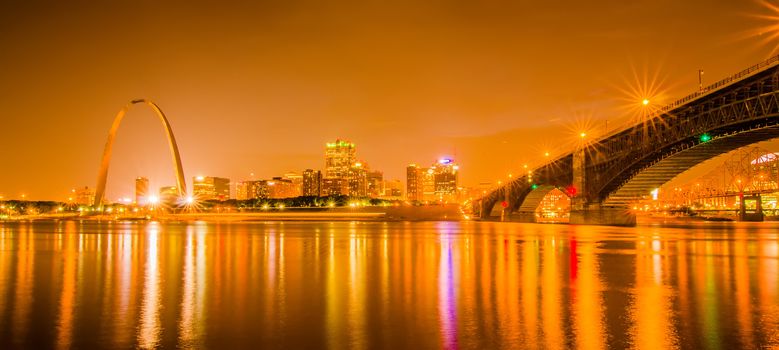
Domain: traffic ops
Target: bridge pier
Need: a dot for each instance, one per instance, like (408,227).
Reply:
(605,216)
(751,215)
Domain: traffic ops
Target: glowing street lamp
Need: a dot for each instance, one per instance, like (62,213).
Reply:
(645,102)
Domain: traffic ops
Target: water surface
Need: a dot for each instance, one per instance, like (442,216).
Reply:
(375,285)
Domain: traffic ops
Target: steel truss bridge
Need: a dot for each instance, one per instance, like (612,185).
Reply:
(605,176)
(748,172)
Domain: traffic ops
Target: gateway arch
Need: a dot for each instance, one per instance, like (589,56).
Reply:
(102,176)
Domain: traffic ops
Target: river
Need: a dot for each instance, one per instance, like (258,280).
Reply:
(387,285)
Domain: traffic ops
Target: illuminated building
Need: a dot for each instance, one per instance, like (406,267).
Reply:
(276,188)
(555,204)
(428,184)
(358,180)
(438,183)
(339,158)
(339,162)
(375,184)
(169,195)
(297,182)
(393,189)
(247,190)
(85,196)
(209,187)
(335,186)
(445,180)
(414,185)
(141,190)
(312,182)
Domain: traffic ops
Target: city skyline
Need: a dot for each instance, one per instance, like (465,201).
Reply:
(252,116)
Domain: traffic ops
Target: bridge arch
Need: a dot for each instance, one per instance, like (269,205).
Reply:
(102,176)
(666,168)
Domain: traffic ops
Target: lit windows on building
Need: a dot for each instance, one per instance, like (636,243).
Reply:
(312,182)
(335,187)
(438,183)
(211,188)
(340,156)
(414,182)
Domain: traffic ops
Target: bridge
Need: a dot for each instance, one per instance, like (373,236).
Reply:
(605,176)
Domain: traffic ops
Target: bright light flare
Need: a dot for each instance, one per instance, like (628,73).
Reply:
(765,32)
(643,94)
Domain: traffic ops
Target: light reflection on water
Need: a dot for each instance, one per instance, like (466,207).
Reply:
(399,285)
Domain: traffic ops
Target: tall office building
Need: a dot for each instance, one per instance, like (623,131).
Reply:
(209,187)
(445,175)
(414,188)
(358,180)
(312,182)
(339,158)
(141,190)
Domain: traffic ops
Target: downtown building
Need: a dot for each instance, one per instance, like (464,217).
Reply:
(85,196)
(393,190)
(437,183)
(211,188)
(141,190)
(358,180)
(245,190)
(312,183)
(168,195)
(277,188)
(375,184)
(340,158)
(297,182)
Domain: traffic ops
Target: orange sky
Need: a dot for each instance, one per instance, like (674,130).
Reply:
(261,86)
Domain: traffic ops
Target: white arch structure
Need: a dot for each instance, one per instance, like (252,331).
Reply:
(102,176)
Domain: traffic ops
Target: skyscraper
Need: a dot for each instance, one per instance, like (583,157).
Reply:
(445,180)
(414,188)
(141,190)
(339,160)
(312,182)
(358,180)
(209,187)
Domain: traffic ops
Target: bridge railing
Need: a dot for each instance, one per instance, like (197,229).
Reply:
(754,69)
(727,81)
